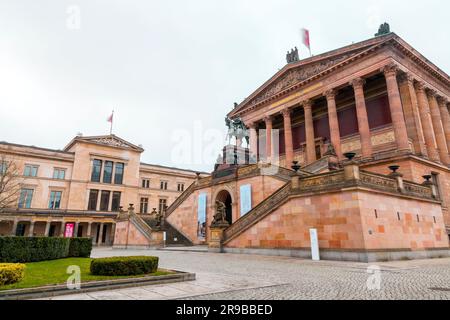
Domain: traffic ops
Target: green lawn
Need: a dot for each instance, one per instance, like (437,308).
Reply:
(45,273)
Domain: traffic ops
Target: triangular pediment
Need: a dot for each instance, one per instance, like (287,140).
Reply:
(106,140)
(297,74)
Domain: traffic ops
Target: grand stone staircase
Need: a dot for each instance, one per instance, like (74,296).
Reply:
(262,210)
(173,236)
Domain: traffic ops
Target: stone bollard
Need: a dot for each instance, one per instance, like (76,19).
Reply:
(351,168)
(430,184)
(398,177)
(295,179)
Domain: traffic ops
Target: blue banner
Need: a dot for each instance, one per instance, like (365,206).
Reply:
(201,214)
(246,199)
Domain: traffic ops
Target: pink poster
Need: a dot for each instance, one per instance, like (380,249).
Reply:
(68,232)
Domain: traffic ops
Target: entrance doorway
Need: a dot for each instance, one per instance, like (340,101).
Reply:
(225,197)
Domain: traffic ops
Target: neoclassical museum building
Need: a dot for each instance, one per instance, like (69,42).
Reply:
(351,145)
(79,191)
(368,127)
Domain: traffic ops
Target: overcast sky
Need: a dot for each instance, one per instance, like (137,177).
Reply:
(171,65)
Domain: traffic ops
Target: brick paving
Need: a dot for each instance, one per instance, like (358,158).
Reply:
(235,276)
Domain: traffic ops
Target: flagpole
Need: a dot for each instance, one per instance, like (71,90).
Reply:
(112,119)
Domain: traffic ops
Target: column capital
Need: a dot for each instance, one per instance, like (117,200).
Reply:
(420,86)
(286,112)
(406,77)
(390,70)
(330,94)
(251,125)
(358,83)
(432,93)
(307,104)
(442,101)
(268,119)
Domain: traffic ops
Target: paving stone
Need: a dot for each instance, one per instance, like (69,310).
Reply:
(239,276)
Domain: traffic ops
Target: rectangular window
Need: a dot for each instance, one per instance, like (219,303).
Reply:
(93,196)
(59,174)
(146,183)
(30,171)
(96,170)
(104,200)
(118,174)
(20,231)
(115,204)
(107,172)
(3,168)
(55,200)
(163,185)
(26,195)
(144,205)
(180,187)
(162,205)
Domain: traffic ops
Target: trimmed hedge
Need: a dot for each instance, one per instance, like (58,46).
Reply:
(124,266)
(32,249)
(11,273)
(80,247)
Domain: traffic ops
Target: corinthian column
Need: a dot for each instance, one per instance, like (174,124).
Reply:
(395,105)
(289,148)
(335,134)
(426,122)
(363,121)
(412,116)
(445,119)
(309,131)
(268,121)
(438,129)
(253,140)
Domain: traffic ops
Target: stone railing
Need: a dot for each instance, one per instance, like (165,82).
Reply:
(417,190)
(321,181)
(141,225)
(325,182)
(378,181)
(390,184)
(256,214)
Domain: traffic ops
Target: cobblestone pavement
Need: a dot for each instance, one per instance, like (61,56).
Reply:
(235,276)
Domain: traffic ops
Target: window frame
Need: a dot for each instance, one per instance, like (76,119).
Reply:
(104,192)
(115,208)
(108,174)
(91,191)
(57,172)
(160,202)
(94,166)
(53,200)
(31,167)
(143,205)
(116,165)
(25,201)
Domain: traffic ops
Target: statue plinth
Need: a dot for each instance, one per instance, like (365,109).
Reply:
(216,237)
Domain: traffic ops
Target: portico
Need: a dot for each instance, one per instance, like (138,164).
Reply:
(370,107)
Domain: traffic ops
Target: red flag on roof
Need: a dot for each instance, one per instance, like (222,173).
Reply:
(305,39)
(110,118)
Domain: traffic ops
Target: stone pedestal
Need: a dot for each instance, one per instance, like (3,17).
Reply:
(216,237)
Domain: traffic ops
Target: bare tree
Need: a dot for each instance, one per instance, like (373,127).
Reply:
(9,183)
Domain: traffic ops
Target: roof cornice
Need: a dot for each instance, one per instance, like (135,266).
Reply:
(392,38)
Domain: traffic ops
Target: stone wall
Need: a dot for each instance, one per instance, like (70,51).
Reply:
(343,220)
(184,218)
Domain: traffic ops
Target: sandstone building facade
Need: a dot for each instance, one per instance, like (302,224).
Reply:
(78,191)
(379,99)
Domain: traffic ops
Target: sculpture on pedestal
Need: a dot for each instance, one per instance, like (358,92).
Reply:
(237,129)
(220,215)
